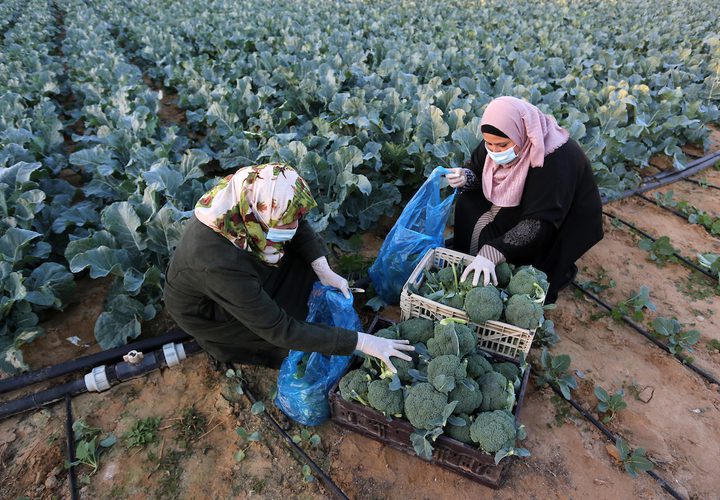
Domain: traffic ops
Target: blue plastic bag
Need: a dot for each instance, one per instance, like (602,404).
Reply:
(421,226)
(306,378)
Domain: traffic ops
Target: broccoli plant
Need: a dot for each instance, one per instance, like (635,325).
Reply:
(554,371)
(660,251)
(711,262)
(634,306)
(87,448)
(599,284)
(677,339)
(634,461)
(545,335)
(694,215)
(609,404)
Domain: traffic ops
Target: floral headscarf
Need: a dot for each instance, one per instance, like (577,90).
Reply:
(244,205)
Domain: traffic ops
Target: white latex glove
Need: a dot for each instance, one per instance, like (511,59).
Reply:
(458,177)
(382,349)
(328,277)
(480,265)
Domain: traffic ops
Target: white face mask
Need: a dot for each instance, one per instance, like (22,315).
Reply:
(503,157)
(280,235)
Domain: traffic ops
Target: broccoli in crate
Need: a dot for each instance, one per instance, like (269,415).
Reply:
(517,299)
(450,387)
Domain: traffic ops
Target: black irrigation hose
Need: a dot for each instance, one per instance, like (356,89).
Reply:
(683,359)
(682,259)
(70,435)
(608,434)
(120,372)
(21,381)
(664,207)
(329,484)
(702,184)
(660,180)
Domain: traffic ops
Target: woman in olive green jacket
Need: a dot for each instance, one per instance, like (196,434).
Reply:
(241,275)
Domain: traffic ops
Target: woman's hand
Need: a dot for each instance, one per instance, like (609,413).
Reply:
(458,177)
(480,265)
(382,349)
(328,277)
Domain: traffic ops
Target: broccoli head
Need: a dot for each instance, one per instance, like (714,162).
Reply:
(452,337)
(483,303)
(526,280)
(510,371)
(383,399)
(467,394)
(493,430)
(503,272)
(498,393)
(387,333)
(445,371)
(478,365)
(424,405)
(523,312)
(460,433)
(416,330)
(354,386)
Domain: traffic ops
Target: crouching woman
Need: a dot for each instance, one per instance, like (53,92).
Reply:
(240,277)
(528,196)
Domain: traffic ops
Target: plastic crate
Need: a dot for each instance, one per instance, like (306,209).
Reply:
(495,336)
(453,455)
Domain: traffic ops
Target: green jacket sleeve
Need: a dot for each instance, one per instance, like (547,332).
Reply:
(307,243)
(240,293)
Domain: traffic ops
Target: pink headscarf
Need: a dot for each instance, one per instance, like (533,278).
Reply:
(537,135)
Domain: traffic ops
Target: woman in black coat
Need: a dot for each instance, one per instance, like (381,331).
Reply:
(528,196)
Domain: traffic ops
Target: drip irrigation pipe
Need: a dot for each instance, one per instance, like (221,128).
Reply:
(326,480)
(85,362)
(100,379)
(664,207)
(660,180)
(683,359)
(70,436)
(682,259)
(611,437)
(702,184)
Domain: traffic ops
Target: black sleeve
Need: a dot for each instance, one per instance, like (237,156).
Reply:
(242,295)
(547,198)
(307,243)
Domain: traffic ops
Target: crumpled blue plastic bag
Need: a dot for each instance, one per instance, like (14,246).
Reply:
(421,226)
(306,378)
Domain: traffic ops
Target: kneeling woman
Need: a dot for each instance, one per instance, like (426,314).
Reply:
(241,275)
(528,196)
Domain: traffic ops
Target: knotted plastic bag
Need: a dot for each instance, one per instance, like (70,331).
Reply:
(306,378)
(421,226)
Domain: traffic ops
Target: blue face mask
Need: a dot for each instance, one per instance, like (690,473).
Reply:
(280,235)
(503,157)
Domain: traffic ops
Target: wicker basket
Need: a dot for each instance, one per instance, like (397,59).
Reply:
(494,336)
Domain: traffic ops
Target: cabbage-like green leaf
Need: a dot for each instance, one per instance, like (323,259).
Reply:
(102,261)
(122,221)
(50,285)
(15,243)
(431,128)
